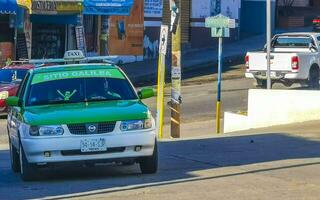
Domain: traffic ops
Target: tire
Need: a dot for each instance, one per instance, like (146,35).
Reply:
(261,84)
(313,81)
(128,163)
(149,165)
(14,158)
(27,170)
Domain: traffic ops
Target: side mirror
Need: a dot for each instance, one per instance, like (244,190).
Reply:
(13,101)
(146,93)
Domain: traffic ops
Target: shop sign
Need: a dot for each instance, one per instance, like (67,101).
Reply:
(55,7)
(44,7)
(69,7)
(24,3)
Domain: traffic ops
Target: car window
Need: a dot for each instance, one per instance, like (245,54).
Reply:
(22,86)
(292,42)
(76,90)
(11,75)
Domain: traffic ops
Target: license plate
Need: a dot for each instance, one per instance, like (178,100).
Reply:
(92,145)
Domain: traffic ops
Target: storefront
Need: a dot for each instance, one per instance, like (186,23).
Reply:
(53,27)
(50,35)
(97,23)
(8,11)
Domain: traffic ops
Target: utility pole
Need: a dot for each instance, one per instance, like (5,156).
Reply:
(175,28)
(104,35)
(268,43)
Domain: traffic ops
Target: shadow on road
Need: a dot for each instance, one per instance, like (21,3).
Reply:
(178,162)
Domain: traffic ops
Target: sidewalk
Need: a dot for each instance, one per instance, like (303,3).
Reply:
(195,60)
(198,59)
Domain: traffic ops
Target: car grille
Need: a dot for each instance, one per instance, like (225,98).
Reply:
(80,129)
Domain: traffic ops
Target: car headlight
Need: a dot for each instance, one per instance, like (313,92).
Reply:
(46,130)
(136,125)
(4,95)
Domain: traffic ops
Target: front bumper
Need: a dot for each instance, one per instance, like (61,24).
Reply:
(67,148)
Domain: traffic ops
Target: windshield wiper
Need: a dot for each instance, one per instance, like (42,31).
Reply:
(46,102)
(58,102)
(97,100)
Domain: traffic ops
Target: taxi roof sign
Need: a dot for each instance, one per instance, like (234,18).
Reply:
(219,21)
(74,55)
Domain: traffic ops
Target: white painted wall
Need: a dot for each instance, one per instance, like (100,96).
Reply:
(235,122)
(276,107)
(207,8)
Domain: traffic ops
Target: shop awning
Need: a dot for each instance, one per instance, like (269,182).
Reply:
(8,7)
(107,7)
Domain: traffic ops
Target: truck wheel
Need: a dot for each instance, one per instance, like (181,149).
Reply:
(27,170)
(14,158)
(262,84)
(149,165)
(314,78)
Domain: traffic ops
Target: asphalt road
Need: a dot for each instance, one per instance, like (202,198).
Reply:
(277,163)
(259,164)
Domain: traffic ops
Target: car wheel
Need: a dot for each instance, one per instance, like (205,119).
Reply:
(262,84)
(149,165)
(314,78)
(27,170)
(14,157)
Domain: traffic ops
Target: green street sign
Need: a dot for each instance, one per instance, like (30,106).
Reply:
(219,21)
(220,32)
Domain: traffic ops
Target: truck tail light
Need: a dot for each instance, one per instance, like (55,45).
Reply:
(247,62)
(316,21)
(295,63)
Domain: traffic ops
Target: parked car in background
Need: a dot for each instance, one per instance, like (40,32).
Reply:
(10,79)
(316,24)
(294,59)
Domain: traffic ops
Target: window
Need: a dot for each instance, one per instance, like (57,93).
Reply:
(22,86)
(292,42)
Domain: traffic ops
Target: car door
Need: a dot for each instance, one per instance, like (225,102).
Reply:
(14,116)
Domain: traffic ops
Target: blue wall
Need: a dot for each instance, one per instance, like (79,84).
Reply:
(253,17)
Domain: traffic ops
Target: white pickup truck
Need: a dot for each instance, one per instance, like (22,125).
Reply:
(295,58)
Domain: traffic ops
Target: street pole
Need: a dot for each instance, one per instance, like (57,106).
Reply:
(218,106)
(161,78)
(176,69)
(268,43)
(104,35)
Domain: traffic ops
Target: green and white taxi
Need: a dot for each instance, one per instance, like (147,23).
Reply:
(84,112)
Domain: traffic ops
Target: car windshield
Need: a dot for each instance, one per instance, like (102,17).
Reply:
(12,75)
(292,42)
(77,90)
